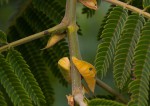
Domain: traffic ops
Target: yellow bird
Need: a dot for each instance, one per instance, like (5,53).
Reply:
(90,4)
(86,69)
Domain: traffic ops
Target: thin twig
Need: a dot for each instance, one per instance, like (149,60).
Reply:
(129,7)
(57,28)
(110,90)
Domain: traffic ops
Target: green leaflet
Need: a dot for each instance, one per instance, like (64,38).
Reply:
(27,79)
(125,49)
(2,100)
(89,12)
(103,102)
(146,3)
(110,36)
(104,23)
(3,38)
(140,86)
(12,84)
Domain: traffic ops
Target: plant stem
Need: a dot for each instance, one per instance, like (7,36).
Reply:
(66,17)
(110,90)
(129,7)
(58,28)
(74,51)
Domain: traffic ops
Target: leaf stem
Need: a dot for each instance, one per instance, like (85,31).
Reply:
(110,90)
(129,7)
(58,28)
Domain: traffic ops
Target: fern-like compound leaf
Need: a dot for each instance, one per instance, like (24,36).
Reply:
(125,49)
(31,53)
(12,84)
(104,23)
(146,3)
(31,16)
(89,12)
(110,35)
(2,100)
(27,79)
(50,55)
(39,70)
(140,86)
(38,67)
(50,8)
(103,102)
(32,21)
(3,38)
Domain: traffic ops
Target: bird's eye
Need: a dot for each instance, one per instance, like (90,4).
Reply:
(90,69)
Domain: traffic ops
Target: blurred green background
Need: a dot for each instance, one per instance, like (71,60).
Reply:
(88,42)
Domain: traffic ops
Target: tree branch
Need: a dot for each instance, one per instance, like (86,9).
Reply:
(74,51)
(129,7)
(58,28)
(110,90)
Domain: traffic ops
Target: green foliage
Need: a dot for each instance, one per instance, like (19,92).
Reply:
(103,102)
(6,97)
(51,8)
(108,97)
(89,12)
(125,49)
(146,3)
(26,75)
(37,20)
(3,38)
(110,35)
(12,84)
(140,86)
(32,21)
(32,55)
(39,70)
(38,66)
(129,55)
(50,55)
(104,23)
(21,69)
(2,100)
(31,18)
